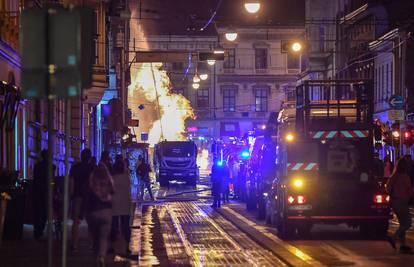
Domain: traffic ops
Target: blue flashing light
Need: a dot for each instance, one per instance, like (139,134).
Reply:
(220,163)
(245,154)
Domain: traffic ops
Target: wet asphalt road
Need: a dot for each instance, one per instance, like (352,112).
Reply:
(181,229)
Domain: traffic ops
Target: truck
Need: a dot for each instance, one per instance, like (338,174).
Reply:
(176,160)
(324,162)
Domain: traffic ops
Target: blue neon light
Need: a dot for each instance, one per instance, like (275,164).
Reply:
(245,154)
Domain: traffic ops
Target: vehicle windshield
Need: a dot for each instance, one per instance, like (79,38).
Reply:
(178,149)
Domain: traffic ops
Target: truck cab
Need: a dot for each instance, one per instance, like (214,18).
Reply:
(176,160)
(325,163)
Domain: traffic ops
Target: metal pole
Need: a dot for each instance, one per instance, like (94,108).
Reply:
(214,92)
(66,182)
(50,149)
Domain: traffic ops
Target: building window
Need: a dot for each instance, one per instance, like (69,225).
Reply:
(293,61)
(261,100)
(322,37)
(230,59)
(384,87)
(387,82)
(376,85)
(229,100)
(392,78)
(203,98)
(261,58)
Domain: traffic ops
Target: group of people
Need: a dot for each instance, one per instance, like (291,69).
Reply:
(222,175)
(99,193)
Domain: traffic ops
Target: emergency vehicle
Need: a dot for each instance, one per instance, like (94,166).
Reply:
(324,161)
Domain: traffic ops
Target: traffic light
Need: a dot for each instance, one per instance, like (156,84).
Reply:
(408,134)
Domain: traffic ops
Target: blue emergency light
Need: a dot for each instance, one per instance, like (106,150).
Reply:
(219,163)
(245,154)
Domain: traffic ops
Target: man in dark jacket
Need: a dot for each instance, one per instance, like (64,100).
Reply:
(40,189)
(143,171)
(79,178)
(219,173)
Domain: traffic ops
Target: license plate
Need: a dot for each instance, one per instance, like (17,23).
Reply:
(301,207)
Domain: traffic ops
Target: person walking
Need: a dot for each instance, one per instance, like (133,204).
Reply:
(401,193)
(40,188)
(143,171)
(225,176)
(121,203)
(99,210)
(79,191)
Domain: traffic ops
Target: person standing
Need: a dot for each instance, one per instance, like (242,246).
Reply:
(40,189)
(99,210)
(217,175)
(225,176)
(401,193)
(121,204)
(143,171)
(79,183)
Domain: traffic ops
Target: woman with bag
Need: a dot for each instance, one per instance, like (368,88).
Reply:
(401,193)
(99,210)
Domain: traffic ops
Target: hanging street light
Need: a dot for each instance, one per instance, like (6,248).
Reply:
(196,79)
(211,62)
(252,6)
(196,85)
(231,35)
(204,76)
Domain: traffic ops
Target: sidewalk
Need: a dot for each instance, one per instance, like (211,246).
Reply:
(29,252)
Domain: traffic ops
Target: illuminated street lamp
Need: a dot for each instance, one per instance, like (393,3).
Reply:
(204,76)
(196,85)
(231,35)
(296,47)
(252,6)
(211,62)
(196,79)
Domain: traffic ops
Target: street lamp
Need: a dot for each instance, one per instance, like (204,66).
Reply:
(211,62)
(296,47)
(204,76)
(196,79)
(196,85)
(231,35)
(252,6)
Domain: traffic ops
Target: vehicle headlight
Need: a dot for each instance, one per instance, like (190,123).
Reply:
(298,183)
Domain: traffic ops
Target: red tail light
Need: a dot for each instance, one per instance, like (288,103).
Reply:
(301,200)
(381,199)
(296,199)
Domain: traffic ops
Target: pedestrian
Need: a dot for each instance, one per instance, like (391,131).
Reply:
(99,210)
(143,171)
(106,160)
(121,204)
(388,167)
(217,176)
(40,193)
(401,194)
(93,161)
(79,183)
(225,182)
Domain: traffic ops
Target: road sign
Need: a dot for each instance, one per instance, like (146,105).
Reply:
(396,115)
(144,136)
(396,102)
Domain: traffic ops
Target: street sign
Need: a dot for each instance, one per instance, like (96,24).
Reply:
(144,136)
(396,115)
(396,102)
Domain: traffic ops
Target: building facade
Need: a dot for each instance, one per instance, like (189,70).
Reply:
(23,133)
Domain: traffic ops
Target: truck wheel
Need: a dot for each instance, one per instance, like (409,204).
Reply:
(285,230)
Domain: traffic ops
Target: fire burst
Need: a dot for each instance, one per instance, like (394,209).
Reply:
(165,113)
